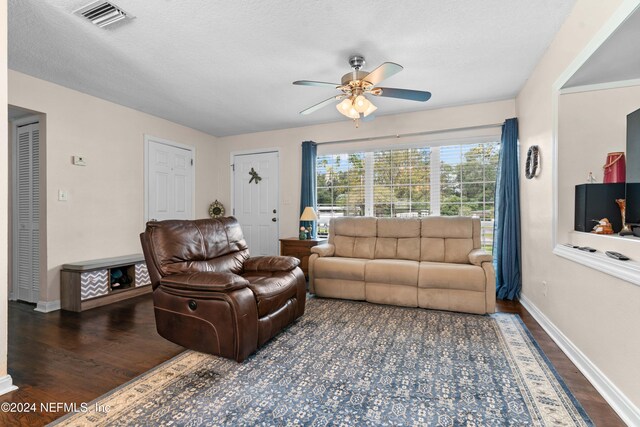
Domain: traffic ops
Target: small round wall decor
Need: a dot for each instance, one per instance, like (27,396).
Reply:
(216,210)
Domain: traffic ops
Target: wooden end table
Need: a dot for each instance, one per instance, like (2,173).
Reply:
(301,249)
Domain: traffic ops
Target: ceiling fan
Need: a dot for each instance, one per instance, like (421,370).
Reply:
(357,84)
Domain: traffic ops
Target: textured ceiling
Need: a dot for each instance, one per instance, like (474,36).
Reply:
(226,67)
(618,58)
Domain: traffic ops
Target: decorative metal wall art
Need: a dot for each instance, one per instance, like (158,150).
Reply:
(254,176)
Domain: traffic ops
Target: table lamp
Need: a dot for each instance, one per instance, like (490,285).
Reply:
(309,215)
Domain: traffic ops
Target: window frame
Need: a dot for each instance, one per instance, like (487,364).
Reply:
(434,147)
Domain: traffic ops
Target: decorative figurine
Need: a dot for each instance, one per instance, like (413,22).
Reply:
(303,234)
(591,179)
(603,227)
(626,229)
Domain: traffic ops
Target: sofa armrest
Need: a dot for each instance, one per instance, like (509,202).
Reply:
(271,263)
(205,281)
(326,249)
(478,256)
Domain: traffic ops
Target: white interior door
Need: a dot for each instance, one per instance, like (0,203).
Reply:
(26,255)
(169,180)
(256,203)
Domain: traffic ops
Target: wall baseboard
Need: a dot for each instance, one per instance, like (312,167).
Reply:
(48,306)
(620,403)
(6,384)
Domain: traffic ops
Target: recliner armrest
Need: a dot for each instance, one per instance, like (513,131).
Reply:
(478,256)
(326,249)
(205,281)
(271,263)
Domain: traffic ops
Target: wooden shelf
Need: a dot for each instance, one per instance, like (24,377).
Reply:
(85,285)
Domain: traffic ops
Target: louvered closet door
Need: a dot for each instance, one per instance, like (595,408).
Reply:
(28,213)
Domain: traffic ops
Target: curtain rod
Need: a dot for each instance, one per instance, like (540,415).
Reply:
(405,135)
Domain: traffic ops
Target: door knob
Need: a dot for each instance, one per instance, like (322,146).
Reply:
(274,211)
(273,219)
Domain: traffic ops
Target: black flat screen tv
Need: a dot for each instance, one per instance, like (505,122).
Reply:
(633,168)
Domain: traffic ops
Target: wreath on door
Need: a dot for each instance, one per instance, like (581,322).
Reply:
(254,176)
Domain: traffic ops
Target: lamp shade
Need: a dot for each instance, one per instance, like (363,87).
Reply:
(308,214)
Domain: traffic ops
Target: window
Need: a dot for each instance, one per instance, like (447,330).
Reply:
(401,183)
(414,182)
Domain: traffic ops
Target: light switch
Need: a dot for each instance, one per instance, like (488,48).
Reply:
(63,196)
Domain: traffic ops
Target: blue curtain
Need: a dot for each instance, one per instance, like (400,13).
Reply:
(308,181)
(506,246)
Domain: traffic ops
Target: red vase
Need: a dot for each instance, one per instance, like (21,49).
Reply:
(615,169)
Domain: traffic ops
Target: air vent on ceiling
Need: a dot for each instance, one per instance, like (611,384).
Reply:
(102,13)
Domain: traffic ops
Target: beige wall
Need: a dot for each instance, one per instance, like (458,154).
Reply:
(104,213)
(288,142)
(4,192)
(596,312)
(591,124)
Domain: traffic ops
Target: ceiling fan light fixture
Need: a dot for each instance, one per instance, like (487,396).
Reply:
(347,108)
(353,113)
(361,103)
(344,106)
(370,110)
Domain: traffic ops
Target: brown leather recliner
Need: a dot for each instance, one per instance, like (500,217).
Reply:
(210,296)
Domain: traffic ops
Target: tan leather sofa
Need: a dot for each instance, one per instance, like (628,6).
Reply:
(432,262)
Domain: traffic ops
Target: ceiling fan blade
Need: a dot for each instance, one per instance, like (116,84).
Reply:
(314,83)
(412,95)
(320,105)
(384,71)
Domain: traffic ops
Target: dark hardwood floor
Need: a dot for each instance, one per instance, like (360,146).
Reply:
(75,357)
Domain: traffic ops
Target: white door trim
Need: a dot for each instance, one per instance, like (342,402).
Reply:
(231,178)
(13,290)
(151,138)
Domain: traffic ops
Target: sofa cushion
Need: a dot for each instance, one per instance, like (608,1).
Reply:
(392,271)
(272,290)
(432,249)
(449,239)
(204,245)
(442,275)
(204,281)
(457,250)
(354,237)
(455,227)
(339,268)
(398,238)
(398,227)
(354,247)
(355,226)
(392,248)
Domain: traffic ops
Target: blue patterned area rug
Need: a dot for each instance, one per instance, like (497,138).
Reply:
(355,364)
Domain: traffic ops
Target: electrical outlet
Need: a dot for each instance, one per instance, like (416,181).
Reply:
(63,195)
(545,288)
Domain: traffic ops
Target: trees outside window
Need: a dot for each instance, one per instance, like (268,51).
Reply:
(403,183)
